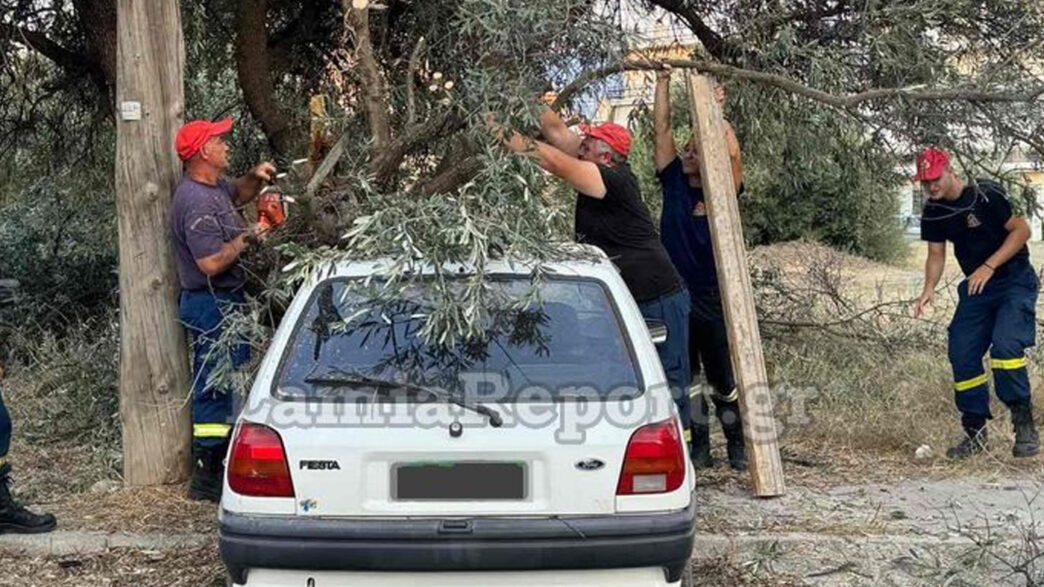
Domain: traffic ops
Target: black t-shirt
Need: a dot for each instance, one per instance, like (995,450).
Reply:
(974,223)
(620,225)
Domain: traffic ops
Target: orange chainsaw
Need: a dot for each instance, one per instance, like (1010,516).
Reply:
(272,208)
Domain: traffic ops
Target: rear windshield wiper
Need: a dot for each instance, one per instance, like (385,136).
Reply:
(347,378)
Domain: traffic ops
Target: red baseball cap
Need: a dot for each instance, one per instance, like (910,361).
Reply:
(617,137)
(931,163)
(192,135)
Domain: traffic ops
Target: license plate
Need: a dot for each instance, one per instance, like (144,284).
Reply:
(458,481)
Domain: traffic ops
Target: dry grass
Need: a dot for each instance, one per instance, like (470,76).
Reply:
(116,568)
(139,509)
(872,383)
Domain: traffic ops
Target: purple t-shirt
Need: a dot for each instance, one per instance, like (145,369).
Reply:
(202,219)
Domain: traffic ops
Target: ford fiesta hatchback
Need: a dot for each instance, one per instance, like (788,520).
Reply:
(546,451)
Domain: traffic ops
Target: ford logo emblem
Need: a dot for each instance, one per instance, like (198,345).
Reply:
(590,465)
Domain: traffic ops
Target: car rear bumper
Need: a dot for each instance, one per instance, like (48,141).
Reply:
(486,544)
(636,577)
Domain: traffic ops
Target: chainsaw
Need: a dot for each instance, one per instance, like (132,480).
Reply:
(272,210)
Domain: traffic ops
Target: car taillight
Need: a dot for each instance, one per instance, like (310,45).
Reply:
(257,463)
(654,462)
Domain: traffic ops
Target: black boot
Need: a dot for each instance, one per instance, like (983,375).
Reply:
(732,426)
(974,442)
(15,519)
(700,449)
(700,428)
(208,472)
(1027,440)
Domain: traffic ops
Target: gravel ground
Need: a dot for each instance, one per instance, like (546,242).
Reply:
(116,568)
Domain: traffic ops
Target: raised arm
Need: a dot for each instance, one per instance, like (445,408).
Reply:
(249,186)
(664,151)
(584,176)
(554,129)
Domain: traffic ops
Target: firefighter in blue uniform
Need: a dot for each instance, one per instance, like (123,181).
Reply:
(997,301)
(14,518)
(685,233)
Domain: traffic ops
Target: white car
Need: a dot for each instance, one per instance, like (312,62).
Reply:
(549,453)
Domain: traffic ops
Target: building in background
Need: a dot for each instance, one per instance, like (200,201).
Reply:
(656,35)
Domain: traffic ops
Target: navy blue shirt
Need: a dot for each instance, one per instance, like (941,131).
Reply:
(974,223)
(202,220)
(685,229)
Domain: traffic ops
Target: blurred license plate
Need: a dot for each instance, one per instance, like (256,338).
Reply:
(458,481)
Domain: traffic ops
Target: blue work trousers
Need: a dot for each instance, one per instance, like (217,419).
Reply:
(1002,320)
(205,314)
(673,309)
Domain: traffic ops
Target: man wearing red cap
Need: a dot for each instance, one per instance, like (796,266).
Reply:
(209,237)
(997,301)
(685,232)
(610,215)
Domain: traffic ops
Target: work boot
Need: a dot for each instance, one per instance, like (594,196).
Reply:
(15,519)
(1027,440)
(208,472)
(699,452)
(732,426)
(974,442)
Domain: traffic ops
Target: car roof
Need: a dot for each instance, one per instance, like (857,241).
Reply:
(586,261)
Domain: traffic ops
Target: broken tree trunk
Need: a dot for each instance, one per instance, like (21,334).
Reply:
(154,373)
(737,295)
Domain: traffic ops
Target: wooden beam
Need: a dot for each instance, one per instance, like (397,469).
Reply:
(737,296)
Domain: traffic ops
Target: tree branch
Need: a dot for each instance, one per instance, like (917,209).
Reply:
(711,40)
(69,61)
(388,160)
(847,101)
(453,178)
(357,20)
(254,73)
(98,20)
(807,15)
(411,82)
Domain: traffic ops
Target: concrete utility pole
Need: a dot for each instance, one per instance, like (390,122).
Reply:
(737,295)
(154,374)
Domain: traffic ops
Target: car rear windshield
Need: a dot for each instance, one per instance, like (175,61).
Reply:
(354,346)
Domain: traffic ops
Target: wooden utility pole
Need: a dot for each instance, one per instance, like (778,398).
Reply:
(737,295)
(154,376)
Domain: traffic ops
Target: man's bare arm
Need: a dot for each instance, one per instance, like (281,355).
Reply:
(584,176)
(249,186)
(222,260)
(1018,234)
(934,265)
(933,270)
(664,151)
(554,129)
